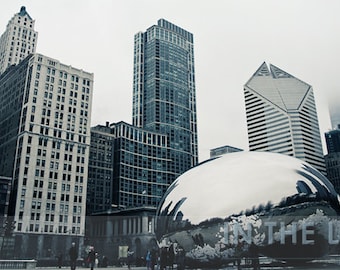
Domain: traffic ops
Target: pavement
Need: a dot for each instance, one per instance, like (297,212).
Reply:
(330,263)
(313,266)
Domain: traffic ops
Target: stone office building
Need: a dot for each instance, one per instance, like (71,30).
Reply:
(45,138)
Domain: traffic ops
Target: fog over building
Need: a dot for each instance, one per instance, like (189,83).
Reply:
(334,111)
(282,117)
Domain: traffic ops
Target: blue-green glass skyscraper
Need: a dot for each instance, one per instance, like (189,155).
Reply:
(164,95)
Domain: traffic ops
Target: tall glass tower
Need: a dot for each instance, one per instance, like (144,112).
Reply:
(282,117)
(164,96)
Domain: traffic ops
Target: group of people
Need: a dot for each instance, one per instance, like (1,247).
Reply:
(165,257)
(92,258)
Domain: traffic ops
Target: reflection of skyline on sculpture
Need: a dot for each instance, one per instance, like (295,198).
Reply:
(274,188)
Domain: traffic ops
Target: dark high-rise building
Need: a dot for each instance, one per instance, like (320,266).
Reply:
(161,143)
(142,167)
(333,141)
(151,153)
(332,159)
(164,95)
(100,176)
(128,167)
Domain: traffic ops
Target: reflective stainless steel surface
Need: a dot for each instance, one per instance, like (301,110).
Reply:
(249,203)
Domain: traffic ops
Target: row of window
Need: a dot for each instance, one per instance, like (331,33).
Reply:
(50,229)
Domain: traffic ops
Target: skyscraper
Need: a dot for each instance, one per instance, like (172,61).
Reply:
(333,141)
(44,144)
(164,95)
(334,111)
(332,158)
(18,41)
(160,145)
(282,117)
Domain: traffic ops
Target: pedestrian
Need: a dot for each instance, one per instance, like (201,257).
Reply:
(60,259)
(96,260)
(163,258)
(73,253)
(148,260)
(129,258)
(171,256)
(180,258)
(91,257)
(104,261)
(154,258)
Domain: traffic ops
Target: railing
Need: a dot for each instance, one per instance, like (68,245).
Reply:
(18,264)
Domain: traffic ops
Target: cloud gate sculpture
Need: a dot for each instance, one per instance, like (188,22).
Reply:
(247,204)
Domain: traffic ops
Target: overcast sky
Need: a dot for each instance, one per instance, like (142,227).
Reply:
(231,40)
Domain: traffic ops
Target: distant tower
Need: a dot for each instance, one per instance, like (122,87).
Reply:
(215,152)
(18,40)
(164,95)
(332,159)
(334,111)
(282,117)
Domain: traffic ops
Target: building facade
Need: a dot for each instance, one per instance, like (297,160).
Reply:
(44,141)
(111,233)
(100,175)
(128,167)
(6,222)
(333,141)
(18,40)
(332,158)
(164,94)
(129,172)
(142,166)
(160,144)
(281,116)
(215,152)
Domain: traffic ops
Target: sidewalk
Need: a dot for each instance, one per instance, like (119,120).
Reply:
(309,267)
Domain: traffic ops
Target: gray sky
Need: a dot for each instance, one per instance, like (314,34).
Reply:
(232,38)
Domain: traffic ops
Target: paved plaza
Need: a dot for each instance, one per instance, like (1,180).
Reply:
(331,262)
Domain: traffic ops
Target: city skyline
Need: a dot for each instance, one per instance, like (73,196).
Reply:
(232,38)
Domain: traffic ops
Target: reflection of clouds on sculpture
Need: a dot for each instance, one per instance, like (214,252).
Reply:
(253,190)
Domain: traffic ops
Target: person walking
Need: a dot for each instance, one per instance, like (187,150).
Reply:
(73,253)
(148,260)
(129,258)
(91,258)
(60,259)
